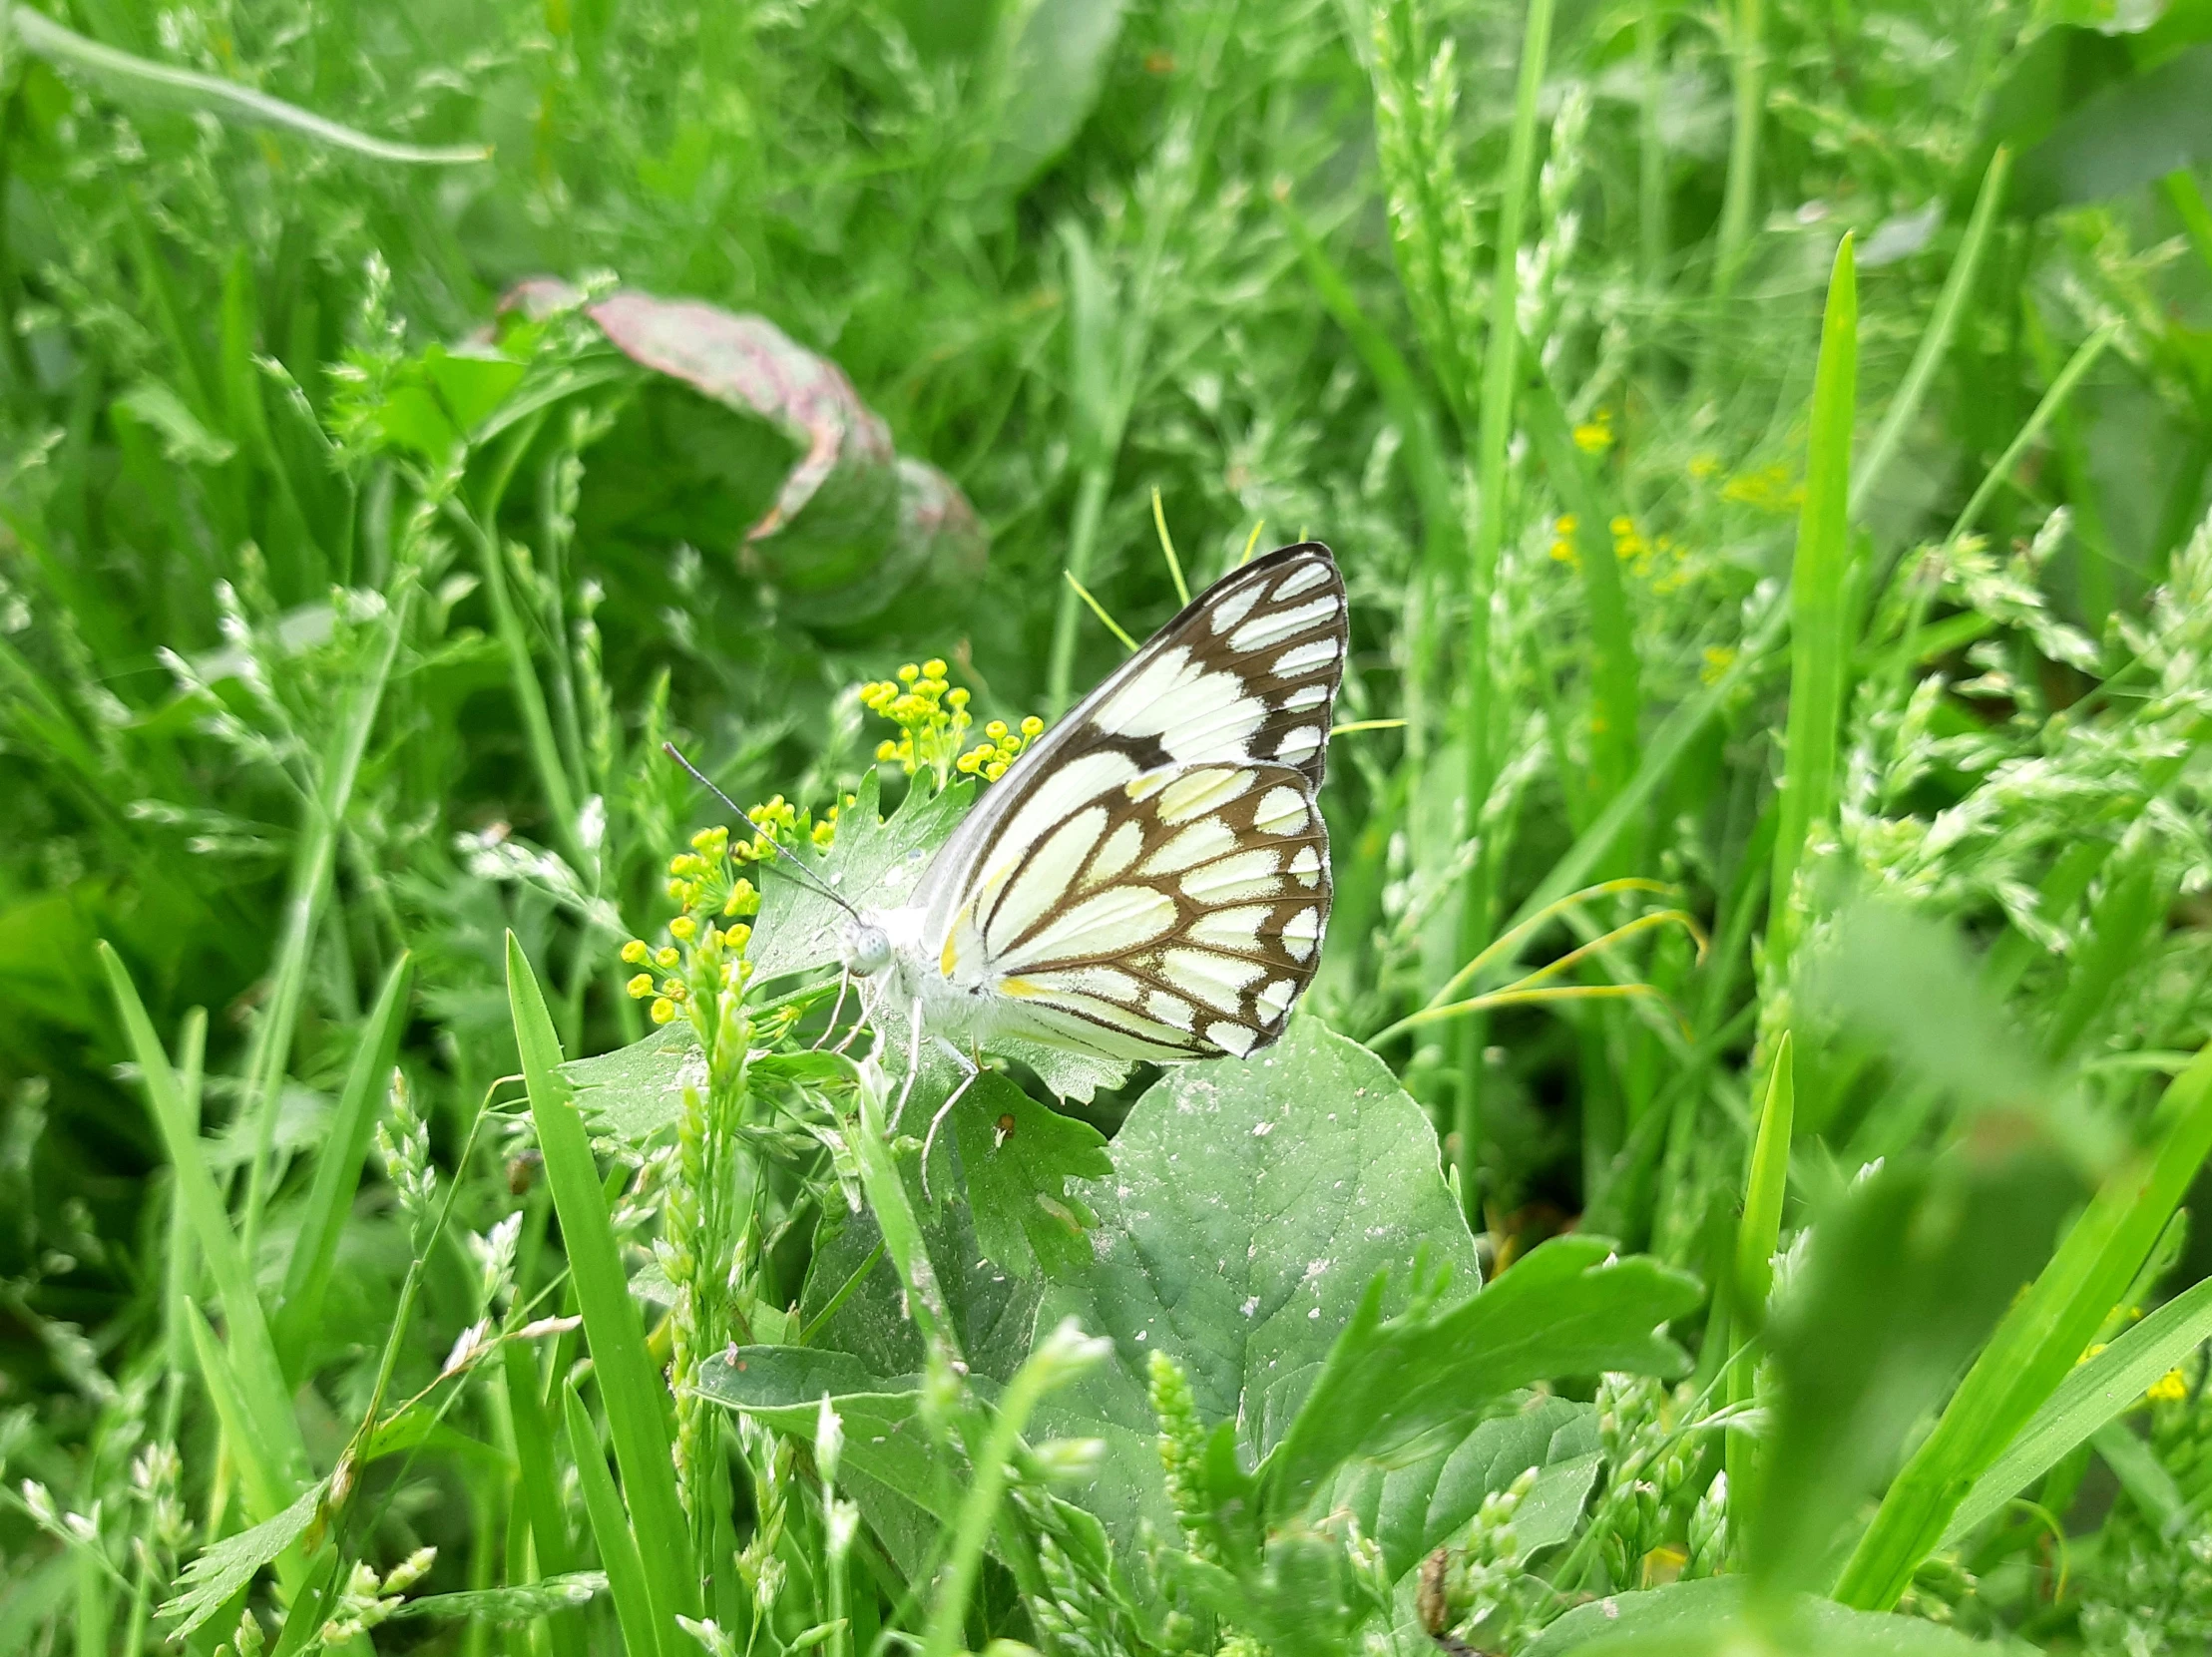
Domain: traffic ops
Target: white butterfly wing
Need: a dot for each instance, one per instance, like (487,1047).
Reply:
(1150,879)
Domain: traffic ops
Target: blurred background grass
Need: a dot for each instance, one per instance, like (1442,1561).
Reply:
(1532,350)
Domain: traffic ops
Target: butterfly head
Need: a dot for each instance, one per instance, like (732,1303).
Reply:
(864,944)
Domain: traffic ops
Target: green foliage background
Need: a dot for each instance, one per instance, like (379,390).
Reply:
(1843,618)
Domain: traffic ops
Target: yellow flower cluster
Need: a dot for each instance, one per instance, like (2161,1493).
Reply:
(2170,1388)
(932,716)
(990,757)
(1769,489)
(1630,546)
(706,881)
(1596,435)
(933,720)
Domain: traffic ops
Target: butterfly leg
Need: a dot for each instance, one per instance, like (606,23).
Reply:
(937,1121)
(913,1066)
(844,982)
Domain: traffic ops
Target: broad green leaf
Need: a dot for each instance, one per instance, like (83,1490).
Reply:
(634,1092)
(891,1466)
(1252,1204)
(1411,1511)
(1698,1619)
(1571,1308)
(1054,65)
(2124,136)
(629,1381)
(1016,1159)
(873,864)
(225,1567)
(2094,1392)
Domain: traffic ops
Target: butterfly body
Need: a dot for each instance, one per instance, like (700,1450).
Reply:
(1150,880)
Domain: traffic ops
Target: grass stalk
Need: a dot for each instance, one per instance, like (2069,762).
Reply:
(312,863)
(1934,339)
(1748,63)
(1494,427)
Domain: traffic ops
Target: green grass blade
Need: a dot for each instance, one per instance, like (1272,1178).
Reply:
(2094,1392)
(269,1488)
(629,1381)
(1757,1236)
(1820,640)
(140,80)
(538,1470)
(252,1353)
(2036,1345)
(641,1624)
(1935,340)
(338,1168)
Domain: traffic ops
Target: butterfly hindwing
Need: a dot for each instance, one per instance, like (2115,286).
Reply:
(1174,915)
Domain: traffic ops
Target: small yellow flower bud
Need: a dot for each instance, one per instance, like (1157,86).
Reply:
(634,951)
(676,989)
(886,750)
(663,1010)
(967,764)
(957,698)
(640,987)
(934,668)
(676,889)
(823,833)
(683,929)
(738,936)
(995,729)
(995,771)
(909,674)
(701,840)
(1033,726)
(666,958)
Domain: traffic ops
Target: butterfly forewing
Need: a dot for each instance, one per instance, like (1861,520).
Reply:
(1247,671)
(1150,880)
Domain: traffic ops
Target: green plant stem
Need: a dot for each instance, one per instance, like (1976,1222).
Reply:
(530,696)
(2181,191)
(1747,57)
(979,1510)
(270,1052)
(1934,339)
(1500,381)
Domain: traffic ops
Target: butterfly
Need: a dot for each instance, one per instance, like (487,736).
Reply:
(1150,880)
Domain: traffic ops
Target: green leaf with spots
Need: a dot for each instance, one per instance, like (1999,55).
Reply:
(1254,1201)
(874,863)
(1017,1157)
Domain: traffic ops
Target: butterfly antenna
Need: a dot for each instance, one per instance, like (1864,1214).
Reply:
(783,856)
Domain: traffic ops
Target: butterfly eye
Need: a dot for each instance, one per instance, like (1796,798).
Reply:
(867,950)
